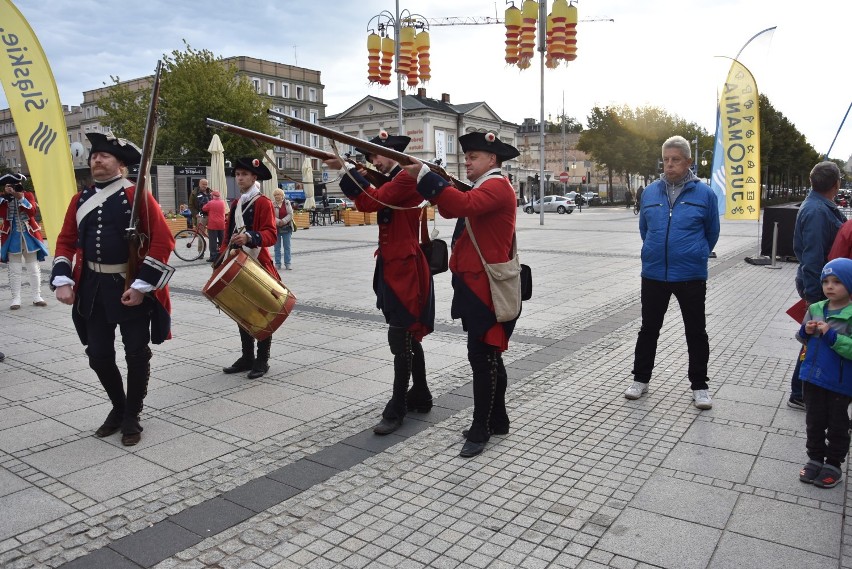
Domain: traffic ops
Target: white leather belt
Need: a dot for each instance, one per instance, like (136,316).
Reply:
(102,268)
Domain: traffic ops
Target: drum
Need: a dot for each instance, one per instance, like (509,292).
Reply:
(241,288)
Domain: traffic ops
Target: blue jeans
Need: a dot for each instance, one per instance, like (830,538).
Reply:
(283,239)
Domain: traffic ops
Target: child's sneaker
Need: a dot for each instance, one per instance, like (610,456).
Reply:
(828,477)
(810,471)
(701,399)
(636,390)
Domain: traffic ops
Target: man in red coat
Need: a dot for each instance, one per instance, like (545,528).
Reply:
(402,281)
(89,270)
(251,226)
(490,208)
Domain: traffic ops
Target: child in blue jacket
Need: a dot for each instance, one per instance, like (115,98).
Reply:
(827,376)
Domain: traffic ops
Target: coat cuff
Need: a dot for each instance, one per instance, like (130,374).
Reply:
(350,188)
(431,185)
(155,272)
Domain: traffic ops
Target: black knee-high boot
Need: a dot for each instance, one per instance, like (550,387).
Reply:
(138,374)
(499,421)
(261,362)
(110,378)
(399,341)
(246,360)
(484,366)
(419,398)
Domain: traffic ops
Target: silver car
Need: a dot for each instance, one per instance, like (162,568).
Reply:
(558,204)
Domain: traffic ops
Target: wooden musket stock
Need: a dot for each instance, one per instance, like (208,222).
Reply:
(373,176)
(140,197)
(395,155)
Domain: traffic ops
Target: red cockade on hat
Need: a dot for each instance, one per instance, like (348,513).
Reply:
(490,137)
(255,162)
(383,134)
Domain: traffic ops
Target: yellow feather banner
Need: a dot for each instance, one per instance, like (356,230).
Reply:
(740,118)
(39,119)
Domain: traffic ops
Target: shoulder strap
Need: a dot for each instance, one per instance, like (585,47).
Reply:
(476,245)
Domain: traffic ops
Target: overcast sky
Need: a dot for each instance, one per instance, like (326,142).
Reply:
(656,52)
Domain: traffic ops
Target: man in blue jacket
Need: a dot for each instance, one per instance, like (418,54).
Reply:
(679,225)
(817,224)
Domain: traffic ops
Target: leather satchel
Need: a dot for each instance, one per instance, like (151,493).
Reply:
(504,280)
(435,250)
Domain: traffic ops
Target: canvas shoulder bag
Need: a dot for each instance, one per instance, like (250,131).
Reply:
(504,280)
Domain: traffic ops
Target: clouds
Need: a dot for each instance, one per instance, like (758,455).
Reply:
(656,52)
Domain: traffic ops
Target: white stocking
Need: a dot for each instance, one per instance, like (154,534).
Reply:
(15,267)
(34,270)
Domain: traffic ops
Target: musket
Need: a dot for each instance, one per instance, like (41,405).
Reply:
(140,197)
(395,155)
(373,176)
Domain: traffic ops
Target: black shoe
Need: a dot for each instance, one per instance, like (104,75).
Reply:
(259,369)
(111,424)
(242,364)
(494,431)
(387,426)
(471,449)
(106,430)
(796,403)
(131,440)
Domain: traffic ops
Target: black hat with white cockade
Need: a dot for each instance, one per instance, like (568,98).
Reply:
(255,166)
(488,142)
(14,180)
(398,143)
(124,150)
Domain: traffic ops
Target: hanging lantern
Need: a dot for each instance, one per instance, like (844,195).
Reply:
(571,33)
(387,61)
(413,77)
(421,42)
(550,61)
(529,16)
(406,44)
(557,47)
(513,34)
(374,48)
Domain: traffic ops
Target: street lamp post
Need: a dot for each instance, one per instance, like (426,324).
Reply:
(704,157)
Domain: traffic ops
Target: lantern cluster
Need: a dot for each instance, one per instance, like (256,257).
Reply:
(561,38)
(413,57)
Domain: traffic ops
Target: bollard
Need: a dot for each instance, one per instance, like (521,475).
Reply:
(772,265)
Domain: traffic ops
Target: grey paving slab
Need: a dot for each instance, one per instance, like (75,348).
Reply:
(743,412)
(341,456)
(104,558)
(455,401)
(185,451)
(784,447)
(787,418)
(27,509)
(211,517)
(32,434)
(746,394)
(685,500)
(213,412)
(115,477)
(87,419)
(369,441)
(709,461)
(258,425)
(157,431)
(303,473)
(151,545)
(783,523)
(735,551)
(261,494)
(783,476)
(11,483)
(725,437)
(74,456)
(654,539)
(309,407)
(263,395)
(64,403)
(18,415)
(171,395)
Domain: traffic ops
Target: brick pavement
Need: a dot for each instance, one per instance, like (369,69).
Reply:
(284,472)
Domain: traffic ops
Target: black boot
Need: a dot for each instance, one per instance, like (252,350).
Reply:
(399,341)
(484,367)
(246,361)
(261,362)
(499,420)
(110,378)
(418,398)
(138,374)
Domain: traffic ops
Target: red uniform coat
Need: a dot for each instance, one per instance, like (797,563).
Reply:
(33,227)
(260,227)
(490,207)
(158,246)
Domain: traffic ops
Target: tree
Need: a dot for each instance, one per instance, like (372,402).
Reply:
(195,85)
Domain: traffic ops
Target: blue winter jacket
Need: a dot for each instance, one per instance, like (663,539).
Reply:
(817,224)
(828,357)
(677,240)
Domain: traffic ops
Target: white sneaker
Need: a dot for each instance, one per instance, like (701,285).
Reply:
(636,390)
(701,399)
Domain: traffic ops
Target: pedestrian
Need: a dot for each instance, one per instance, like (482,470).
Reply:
(489,209)
(679,226)
(826,374)
(817,224)
(88,272)
(402,281)
(183,210)
(215,212)
(284,222)
(251,226)
(628,199)
(20,234)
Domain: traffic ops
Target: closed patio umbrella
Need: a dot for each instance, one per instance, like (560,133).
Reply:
(216,177)
(269,186)
(308,183)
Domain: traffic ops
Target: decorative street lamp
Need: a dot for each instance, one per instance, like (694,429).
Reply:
(703,155)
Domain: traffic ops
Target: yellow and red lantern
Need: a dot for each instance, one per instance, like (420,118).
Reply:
(571,33)
(374,49)
(421,44)
(556,46)
(388,48)
(529,16)
(406,45)
(513,34)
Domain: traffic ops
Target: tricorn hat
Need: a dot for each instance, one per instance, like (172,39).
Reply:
(488,142)
(398,143)
(16,180)
(255,166)
(126,152)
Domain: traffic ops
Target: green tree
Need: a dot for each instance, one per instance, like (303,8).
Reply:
(195,85)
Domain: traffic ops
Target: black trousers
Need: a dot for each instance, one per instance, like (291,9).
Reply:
(691,297)
(135,332)
(827,423)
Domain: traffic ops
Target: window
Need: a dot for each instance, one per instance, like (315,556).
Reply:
(315,140)
(285,90)
(300,92)
(270,88)
(451,143)
(314,117)
(312,94)
(281,161)
(296,137)
(296,113)
(255,82)
(315,164)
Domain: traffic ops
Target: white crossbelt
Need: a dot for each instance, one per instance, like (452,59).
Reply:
(110,269)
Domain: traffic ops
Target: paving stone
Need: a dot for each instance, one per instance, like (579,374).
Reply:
(303,474)
(104,558)
(152,545)
(709,461)
(684,500)
(32,507)
(734,548)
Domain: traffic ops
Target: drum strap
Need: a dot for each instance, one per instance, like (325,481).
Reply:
(238,222)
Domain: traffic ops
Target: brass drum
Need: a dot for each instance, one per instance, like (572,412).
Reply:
(241,288)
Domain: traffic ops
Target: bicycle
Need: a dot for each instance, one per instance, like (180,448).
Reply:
(190,244)
(636,207)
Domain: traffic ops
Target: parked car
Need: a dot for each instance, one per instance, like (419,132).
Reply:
(558,204)
(592,198)
(335,202)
